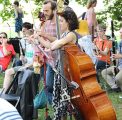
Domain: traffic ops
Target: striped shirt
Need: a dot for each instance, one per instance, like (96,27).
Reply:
(8,111)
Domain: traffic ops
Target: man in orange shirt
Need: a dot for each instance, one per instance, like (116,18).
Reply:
(103,47)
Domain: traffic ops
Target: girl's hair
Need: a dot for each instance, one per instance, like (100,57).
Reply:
(90,3)
(70,17)
(16,3)
(4,34)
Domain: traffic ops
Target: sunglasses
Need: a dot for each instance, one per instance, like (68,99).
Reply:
(2,37)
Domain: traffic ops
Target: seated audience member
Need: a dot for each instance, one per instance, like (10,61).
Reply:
(25,28)
(103,47)
(113,76)
(6,52)
(28,62)
(8,111)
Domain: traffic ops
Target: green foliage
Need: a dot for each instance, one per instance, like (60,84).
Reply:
(5,13)
(112,9)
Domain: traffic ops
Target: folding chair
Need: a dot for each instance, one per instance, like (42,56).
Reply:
(83,28)
(15,43)
(11,98)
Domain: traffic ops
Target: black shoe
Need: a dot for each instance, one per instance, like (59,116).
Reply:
(114,90)
(117,89)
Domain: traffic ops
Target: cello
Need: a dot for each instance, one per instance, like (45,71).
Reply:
(93,103)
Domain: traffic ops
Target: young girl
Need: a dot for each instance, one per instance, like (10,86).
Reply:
(37,63)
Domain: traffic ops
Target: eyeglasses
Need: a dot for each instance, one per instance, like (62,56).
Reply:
(2,37)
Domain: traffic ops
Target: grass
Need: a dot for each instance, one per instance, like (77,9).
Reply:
(114,97)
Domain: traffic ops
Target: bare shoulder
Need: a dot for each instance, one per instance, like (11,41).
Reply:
(20,10)
(72,36)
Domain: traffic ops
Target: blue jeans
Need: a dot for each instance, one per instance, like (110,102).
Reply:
(17,62)
(42,73)
(101,65)
(49,81)
(49,78)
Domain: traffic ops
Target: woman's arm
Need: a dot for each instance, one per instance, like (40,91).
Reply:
(44,43)
(5,51)
(71,37)
(105,52)
(94,20)
(16,13)
(107,49)
(47,36)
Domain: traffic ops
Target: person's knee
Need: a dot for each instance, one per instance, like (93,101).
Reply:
(118,80)
(9,72)
(103,73)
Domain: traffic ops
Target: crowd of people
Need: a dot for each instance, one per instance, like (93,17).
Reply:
(46,38)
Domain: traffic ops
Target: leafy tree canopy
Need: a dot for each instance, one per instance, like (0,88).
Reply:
(112,9)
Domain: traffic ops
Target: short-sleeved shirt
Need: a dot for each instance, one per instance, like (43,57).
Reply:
(23,42)
(102,44)
(29,53)
(5,60)
(8,111)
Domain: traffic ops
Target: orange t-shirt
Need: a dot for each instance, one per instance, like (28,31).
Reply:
(102,44)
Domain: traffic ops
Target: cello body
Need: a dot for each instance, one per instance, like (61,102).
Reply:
(93,103)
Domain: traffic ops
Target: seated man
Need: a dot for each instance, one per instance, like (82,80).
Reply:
(22,45)
(113,74)
(8,111)
(6,51)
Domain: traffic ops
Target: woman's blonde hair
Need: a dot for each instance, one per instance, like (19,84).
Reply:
(90,2)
